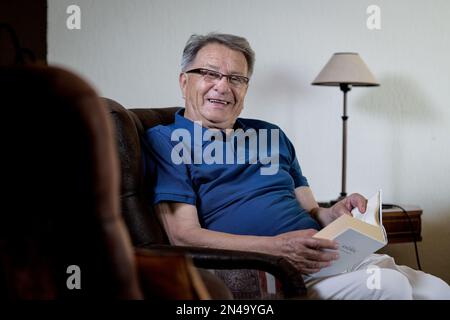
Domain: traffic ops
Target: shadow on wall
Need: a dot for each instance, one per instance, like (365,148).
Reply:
(402,99)
(276,87)
(404,107)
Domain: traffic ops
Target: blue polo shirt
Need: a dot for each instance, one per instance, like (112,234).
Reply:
(232,197)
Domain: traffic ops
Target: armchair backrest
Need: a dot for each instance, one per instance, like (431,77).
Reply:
(138,213)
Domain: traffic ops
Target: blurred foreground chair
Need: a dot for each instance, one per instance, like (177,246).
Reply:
(61,206)
(245,273)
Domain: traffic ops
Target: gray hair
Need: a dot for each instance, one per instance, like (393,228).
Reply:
(196,42)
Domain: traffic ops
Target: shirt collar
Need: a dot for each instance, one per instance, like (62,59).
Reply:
(182,122)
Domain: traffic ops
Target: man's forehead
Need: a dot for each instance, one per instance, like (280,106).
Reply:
(216,56)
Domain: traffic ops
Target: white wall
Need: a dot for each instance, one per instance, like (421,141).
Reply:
(399,133)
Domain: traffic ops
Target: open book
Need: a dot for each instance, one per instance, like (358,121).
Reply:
(357,236)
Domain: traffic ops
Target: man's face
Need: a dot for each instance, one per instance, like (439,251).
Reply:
(216,104)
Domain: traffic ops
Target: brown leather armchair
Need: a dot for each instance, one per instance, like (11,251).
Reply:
(240,270)
(60,176)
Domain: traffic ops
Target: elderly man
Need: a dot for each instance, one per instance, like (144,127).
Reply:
(211,189)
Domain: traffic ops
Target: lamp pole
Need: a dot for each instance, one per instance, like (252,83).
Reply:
(345,87)
(346,70)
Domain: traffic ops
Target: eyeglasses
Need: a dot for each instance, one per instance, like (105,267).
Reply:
(214,77)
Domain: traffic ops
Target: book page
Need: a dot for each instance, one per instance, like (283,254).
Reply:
(353,248)
(345,222)
(373,211)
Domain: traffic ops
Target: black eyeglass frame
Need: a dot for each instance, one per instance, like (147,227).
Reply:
(232,79)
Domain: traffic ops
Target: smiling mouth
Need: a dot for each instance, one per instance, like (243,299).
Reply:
(223,102)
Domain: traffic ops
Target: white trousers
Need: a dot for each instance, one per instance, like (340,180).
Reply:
(378,277)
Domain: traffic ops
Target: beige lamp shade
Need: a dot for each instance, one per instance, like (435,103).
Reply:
(345,68)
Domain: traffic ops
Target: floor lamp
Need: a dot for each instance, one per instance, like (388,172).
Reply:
(345,70)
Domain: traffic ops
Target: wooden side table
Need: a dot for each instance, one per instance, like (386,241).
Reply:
(401,229)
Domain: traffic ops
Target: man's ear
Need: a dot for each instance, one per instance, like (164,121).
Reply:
(183,83)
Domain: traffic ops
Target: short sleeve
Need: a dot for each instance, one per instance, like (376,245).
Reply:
(294,169)
(171,182)
(296,173)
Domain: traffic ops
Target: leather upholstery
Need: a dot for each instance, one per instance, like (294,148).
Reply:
(62,180)
(142,223)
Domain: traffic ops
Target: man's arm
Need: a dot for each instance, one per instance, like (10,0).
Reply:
(183,228)
(325,216)
(180,220)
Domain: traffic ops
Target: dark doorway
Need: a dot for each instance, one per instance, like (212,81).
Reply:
(28,20)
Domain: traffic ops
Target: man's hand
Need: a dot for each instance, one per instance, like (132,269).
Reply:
(327,215)
(305,252)
(346,205)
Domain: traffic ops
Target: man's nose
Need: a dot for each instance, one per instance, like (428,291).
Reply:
(222,85)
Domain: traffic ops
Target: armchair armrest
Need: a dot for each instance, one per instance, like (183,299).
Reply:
(169,275)
(209,258)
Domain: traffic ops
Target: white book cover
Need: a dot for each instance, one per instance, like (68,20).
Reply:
(358,236)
